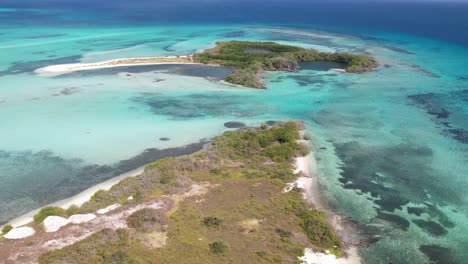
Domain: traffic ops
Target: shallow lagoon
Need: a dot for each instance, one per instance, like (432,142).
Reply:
(391,145)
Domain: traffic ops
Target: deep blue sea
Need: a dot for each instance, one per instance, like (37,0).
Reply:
(391,145)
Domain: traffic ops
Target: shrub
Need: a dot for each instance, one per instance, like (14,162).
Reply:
(314,223)
(216,171)
(283,233)
(48,211)
(6,229)
(217,247)
(165,179)
(220,172)
(73,209)
(212,221)
(120,257)
(137,196)
(146,219)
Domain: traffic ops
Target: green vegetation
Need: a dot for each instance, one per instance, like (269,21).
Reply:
(148,185)
(6,229)
(244,216)
(313,222)
(279,144)
(217,247)
(48,211)
(278,58)
(56,211)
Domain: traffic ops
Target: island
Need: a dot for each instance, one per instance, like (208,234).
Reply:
(249,58)
(236,201)
(253,58)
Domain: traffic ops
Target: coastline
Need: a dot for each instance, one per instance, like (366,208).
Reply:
(309,182)
(59,69)
(77,199)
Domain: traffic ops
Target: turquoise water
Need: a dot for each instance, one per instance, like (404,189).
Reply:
(391,145)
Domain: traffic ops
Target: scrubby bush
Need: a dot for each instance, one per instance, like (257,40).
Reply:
(314,223)
(283,233)
(73,209)
(48,211)
(6,229)
(212,221)
(220,172)
(217,247)
(147,219)
(120,257)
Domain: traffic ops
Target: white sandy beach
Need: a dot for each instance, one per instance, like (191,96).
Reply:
(339,70)
(54,70)
(307,166)
(78,199)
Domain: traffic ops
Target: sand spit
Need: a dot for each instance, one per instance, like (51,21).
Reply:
(54,70)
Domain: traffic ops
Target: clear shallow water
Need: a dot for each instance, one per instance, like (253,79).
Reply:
(391,144)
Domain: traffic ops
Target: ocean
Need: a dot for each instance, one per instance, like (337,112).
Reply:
(391,145)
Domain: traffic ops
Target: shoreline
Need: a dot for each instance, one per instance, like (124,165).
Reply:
(309,182)
(59,69)
(77,199)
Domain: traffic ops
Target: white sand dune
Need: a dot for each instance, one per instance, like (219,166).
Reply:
(108,209)
(54,223)
(20,232)
(81,218)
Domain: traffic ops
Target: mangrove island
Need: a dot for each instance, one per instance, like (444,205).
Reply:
(252,58)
